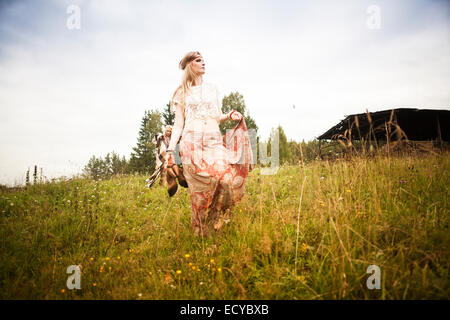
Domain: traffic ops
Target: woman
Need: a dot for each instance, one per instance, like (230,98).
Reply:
(215,167)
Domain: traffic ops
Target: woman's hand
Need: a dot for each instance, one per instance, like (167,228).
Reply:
(235,115)
(169,159)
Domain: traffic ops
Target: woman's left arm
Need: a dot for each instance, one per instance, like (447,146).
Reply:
(224,116)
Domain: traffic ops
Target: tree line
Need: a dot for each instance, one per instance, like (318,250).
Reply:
(142,158)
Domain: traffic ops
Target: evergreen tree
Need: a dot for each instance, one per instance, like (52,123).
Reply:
(93,169)
(143,158)
(105,168)
(117,165)
(168,117)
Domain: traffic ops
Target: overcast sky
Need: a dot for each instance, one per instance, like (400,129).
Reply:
(67,94)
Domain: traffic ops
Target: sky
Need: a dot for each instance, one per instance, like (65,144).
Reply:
(73,88)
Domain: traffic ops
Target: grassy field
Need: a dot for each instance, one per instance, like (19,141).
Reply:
(136,243)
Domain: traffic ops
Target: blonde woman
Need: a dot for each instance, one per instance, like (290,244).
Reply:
(215,167)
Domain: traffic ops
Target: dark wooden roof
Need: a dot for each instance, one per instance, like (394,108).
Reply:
(417,124)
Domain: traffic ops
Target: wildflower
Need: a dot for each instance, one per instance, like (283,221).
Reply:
(178,271)
(109,268)
(304,247)
(187,255)
(213,269)
(219,269)
(62,290)
(348,190)
(118,257)
(190,264)
(92,259)
(94,284)
(167,278)
(193,268)
(212,260)
(107,259)
(150,273)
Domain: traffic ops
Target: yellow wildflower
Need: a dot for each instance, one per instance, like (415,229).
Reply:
(62,291)
(187,255)
(348,190)
(219,269)
(190,264)
(304,247)
(94,284)
(92,259)
(178,271)
(107,259)
(212,260)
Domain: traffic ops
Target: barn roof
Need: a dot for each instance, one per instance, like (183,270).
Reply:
(417,124)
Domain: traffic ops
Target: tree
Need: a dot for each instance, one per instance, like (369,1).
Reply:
(105,168)
(142,160)
(235,101)
(168,117)
(285,152)
(94,168)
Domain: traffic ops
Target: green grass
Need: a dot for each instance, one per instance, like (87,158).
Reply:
(353,214)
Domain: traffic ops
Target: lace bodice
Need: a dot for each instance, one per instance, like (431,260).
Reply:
(202,103)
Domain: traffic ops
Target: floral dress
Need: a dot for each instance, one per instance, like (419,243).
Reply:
(215,166)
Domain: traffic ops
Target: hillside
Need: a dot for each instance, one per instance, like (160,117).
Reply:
(136,243)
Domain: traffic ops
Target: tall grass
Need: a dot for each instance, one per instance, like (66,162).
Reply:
(130,241)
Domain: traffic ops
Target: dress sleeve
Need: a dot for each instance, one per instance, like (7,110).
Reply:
(177,100)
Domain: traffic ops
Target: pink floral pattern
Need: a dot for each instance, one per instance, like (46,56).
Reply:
(216,169)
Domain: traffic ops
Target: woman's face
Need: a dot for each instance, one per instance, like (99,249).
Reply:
(198,65)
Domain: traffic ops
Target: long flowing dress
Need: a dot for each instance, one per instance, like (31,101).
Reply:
(215,166)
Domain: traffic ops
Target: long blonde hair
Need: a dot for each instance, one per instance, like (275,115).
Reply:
(189,77)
